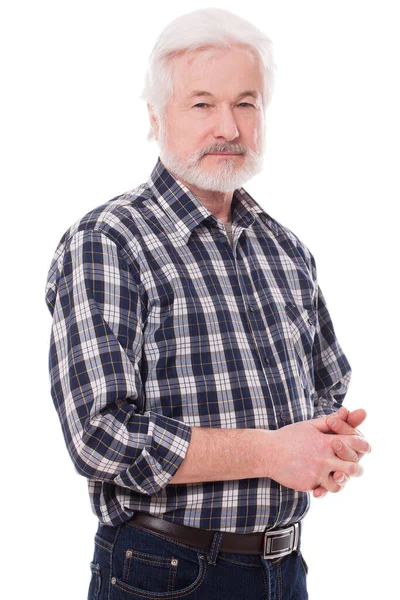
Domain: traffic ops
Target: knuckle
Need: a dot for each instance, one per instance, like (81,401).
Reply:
(337,445)
(353,469)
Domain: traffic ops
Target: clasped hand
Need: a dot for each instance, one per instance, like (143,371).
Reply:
(352,447)
(319,455)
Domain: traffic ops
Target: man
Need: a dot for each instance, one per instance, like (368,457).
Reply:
(193,359)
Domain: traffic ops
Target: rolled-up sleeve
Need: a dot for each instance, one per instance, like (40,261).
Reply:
(95,370)
(332,371)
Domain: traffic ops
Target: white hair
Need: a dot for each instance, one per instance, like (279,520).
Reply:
(202,29)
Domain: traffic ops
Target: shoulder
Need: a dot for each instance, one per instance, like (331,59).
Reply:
(289,241)
(117,223)
(120,219)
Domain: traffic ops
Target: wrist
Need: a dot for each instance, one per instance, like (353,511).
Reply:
(267,453)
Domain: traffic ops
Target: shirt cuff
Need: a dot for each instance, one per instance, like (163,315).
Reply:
(324,408)
(167,442)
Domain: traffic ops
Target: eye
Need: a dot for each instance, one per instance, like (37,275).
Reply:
(200,105)
(246,104)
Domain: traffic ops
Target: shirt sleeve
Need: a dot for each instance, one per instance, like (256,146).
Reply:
(95,370)
(332,371)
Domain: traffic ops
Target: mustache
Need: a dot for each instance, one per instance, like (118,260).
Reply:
(223,147)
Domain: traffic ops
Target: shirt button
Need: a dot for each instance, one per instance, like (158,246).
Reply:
(283,416)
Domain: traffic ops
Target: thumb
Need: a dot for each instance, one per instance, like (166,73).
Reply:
(321,424)
(356,417)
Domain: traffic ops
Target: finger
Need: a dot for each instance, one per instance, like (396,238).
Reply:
(353,420)
(344,451)
(319,492)
(353,469)
(331,485)
(356,417)
(340,478)
(339,426)
(336,479)
(353,442)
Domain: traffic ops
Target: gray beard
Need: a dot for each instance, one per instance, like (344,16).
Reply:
(226,178)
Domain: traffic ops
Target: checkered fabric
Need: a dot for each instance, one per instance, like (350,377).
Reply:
(160,324)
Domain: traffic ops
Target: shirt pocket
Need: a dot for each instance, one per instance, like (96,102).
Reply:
(303,326)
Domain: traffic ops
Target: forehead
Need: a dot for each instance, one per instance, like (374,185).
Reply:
(220,71)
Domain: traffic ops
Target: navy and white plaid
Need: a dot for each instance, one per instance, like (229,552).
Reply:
(159,324)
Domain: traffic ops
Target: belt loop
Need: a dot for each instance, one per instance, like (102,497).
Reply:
(215,546)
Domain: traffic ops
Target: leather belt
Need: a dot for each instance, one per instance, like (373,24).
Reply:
(270,544)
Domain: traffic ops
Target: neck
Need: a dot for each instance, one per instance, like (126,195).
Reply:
(218,203)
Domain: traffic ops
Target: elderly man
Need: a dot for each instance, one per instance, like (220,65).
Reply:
(194,364)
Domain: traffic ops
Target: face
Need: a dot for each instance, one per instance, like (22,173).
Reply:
(212,135)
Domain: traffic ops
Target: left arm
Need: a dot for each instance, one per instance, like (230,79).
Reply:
(332,374)
(332,371)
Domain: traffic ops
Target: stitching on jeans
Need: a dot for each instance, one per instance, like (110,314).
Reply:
(126,568)
(96,575)
(162,562)
(215,547)
(264,574)
(238,562)
(161,595)
(171,577)
(103,543)
(111,560)
(101,546)
(279,577)
(169,581)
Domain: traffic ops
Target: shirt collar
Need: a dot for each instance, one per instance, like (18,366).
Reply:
(186,210)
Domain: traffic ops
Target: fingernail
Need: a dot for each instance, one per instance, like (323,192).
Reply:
(332,422)
(337,445)
(341,480)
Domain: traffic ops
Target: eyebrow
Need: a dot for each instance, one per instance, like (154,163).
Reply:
(197,93)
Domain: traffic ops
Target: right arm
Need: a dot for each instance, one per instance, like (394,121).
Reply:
(298,456)
(95,368)
(224,454)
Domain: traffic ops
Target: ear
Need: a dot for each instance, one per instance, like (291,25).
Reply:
(153,120)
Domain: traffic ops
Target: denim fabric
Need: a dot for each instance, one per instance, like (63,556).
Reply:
(131,564)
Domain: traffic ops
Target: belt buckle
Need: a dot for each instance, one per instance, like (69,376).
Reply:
(288,536)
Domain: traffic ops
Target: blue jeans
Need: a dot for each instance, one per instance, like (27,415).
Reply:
(132,564)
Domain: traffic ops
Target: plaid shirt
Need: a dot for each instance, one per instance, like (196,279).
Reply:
(159,324)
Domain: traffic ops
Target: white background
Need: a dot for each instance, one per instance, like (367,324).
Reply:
(73,135)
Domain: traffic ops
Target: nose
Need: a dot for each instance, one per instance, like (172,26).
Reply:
(225,124)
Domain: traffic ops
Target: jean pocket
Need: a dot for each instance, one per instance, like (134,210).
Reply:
(95,582)
(151,575)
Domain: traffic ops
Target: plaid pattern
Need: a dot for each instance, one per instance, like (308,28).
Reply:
(159,324)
